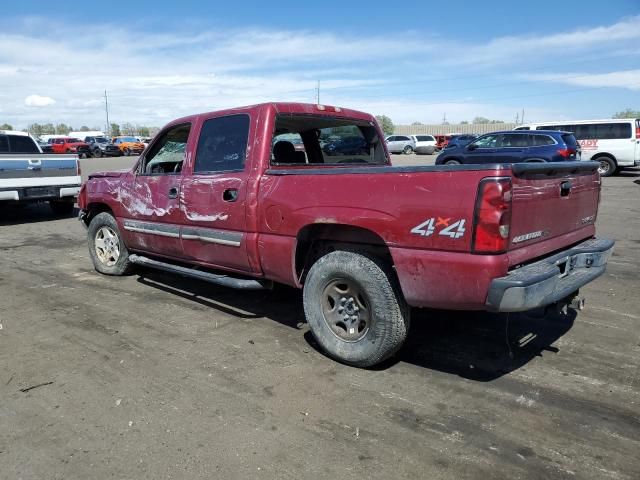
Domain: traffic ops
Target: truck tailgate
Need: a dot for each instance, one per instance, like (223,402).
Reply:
(551,200)
(37,166)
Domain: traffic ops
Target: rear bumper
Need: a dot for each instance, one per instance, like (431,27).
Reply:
(550,280)
(32,194)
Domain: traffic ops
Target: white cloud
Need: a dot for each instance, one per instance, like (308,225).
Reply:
(38,101)
(153,78)
(629,79)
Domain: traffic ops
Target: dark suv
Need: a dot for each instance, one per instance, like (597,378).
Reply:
(514,147)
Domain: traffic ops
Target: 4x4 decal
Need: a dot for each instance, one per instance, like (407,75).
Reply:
(430,226)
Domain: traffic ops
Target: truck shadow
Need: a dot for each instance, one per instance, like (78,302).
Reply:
(32,213)
(478,346)
(481,346)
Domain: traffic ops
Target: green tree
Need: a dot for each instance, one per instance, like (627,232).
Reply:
(115,129)
(35,129)
(84,128)
(628,113)
(386,124)
(464,122)
(6,126)
(417,123)
(143,131)
(127,129)
(63,129)
(48,129)
(481,120)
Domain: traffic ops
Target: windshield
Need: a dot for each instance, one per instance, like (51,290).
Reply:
(128,139)
(101,140)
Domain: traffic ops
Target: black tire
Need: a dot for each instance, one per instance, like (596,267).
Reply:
(97,153)
(106,262)
(453,161)
(127,152)
(408,150)
(607,166)
(61,207)
(382,320)
(535,160)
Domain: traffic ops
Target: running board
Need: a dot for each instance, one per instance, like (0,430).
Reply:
(224,280)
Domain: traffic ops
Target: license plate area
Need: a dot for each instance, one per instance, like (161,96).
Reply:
(39,192)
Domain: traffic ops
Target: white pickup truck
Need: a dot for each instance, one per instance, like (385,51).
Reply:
(27,175)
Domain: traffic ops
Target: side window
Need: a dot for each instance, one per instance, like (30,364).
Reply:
(22,144)
(289,148)
(515,140)
(541,140)
(489,141)
(166,155)
(521,128)
(391,139)
(4,144)
(223,144)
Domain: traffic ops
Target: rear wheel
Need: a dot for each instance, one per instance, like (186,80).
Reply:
(452,162)
(106,247)
(97,153)
(354,311)
(408,150)
(607,166)
(127,152)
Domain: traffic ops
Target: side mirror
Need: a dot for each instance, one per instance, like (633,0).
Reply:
(472,147)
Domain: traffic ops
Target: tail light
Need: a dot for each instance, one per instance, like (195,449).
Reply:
(566,152)
(78,169)
(492,216)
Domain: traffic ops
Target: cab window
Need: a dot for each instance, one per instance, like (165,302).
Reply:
(166,155)
(223,144)
(488,141)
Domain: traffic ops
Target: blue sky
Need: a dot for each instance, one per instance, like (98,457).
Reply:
(414,61)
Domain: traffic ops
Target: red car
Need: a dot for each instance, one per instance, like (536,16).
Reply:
(214,197)
(69,145)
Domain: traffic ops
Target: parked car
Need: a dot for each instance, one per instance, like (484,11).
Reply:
(461,139)
(128,145)
(442,141)
(347,146)
(400,144)
(364,240)
(27,175)
(615,143)
(101,147)
(70,145)
(514,147)
(425,144)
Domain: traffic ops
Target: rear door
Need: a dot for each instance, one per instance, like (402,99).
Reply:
(512,147)
(150,198)
(215,193)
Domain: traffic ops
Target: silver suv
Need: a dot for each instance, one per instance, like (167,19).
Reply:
(400,144)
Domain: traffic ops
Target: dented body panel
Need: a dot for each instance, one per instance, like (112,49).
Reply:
(259,220)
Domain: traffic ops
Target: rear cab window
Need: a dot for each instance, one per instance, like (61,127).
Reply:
(222,146)
(323,140)
(22,144)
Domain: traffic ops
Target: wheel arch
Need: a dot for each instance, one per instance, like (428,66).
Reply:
(315,240)
(94,209)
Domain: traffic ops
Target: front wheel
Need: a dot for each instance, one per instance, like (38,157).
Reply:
(353,309)
(106,247)
(127,152)
(452,162)
(97,153)
(408,150)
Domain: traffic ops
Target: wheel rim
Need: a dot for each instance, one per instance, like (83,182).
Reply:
(604,167)
(452,162)
(346,310)
(107,246)
(408,150)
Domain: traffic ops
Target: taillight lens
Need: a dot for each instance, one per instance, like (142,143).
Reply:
(566,152)
(78,167)
(492,217)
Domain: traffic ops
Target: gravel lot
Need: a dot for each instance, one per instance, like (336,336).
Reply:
(155,376)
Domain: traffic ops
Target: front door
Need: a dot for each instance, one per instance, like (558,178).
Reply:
(214,195)
(483,150)
(151,200)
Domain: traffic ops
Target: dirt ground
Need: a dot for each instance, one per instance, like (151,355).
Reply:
(155,376)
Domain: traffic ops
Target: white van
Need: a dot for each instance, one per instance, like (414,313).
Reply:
(615,143)
(89,133)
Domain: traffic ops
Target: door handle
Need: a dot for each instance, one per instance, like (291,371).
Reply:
(565,188)
(230,195)
(173,192)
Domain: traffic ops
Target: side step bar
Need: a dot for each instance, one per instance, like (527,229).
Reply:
(225,281)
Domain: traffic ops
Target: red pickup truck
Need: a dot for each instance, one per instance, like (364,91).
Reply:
(226,197)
